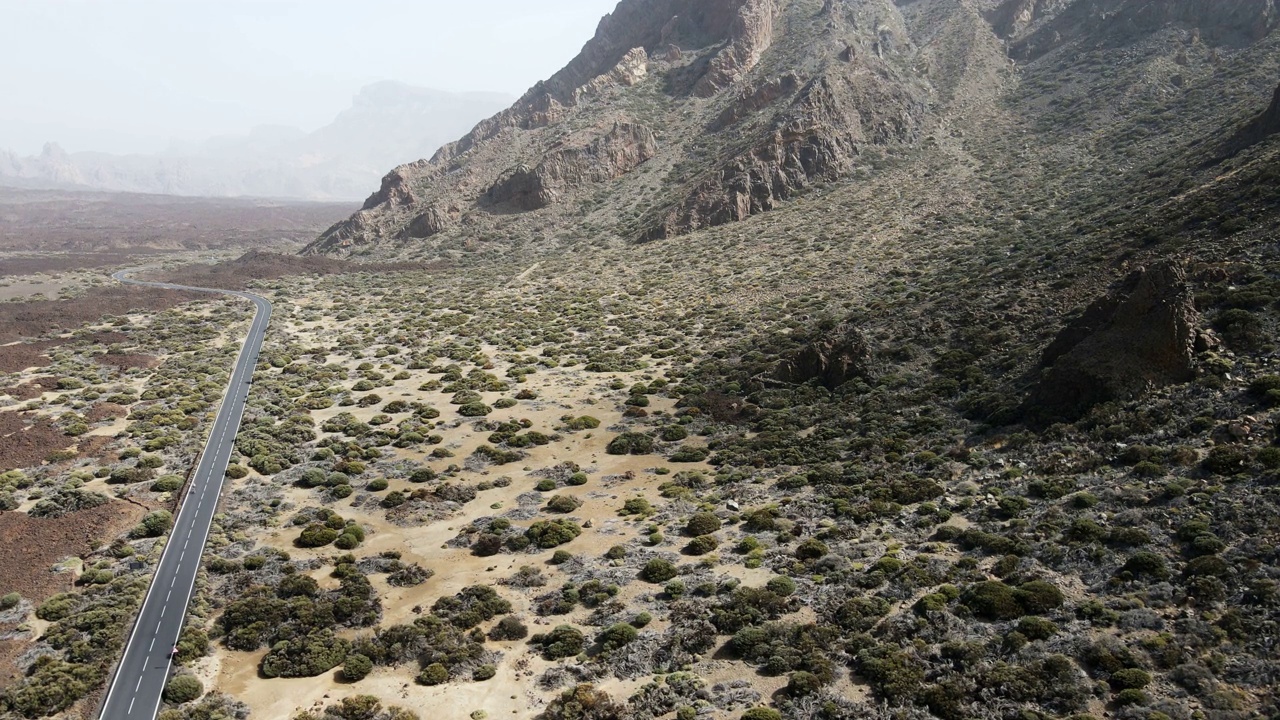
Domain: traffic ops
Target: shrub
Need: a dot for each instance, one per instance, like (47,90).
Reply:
(1146,564)
(658,571)
(305,655)
(356,667)
(561,557)
(630,443)
(617,635)
(166,483)
(1130,678)
(811,549)
(183,688)
(894,675)
(702,545)
(563,641)
(781,585)
(673,433)
(636,506)
(563,503)
(316,535)
(689,454)
(422,475)
(992,600)
(433,674)
(155,524)
(762,713)
(10,601)
(474,409)
(585,422)
(703,523)
(1037,628)
(509,628)
(1038,596)
(1226,460)
(550,533)
(485,672)
(235,472)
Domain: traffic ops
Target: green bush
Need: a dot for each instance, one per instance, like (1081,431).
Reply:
(702,545)
(563,503)
(316,535)
(155,524)
(1130,678)
(689,454)
(563,641)
(630,443)
(305,655)
(433,674)
(509,628)
(474,409)
(166,483)
(658,571)
(811,549)
(550,533)
(761,713)
(781,585)
(617,635)
(356,667)
(182,688)
(585,422)
(703,523)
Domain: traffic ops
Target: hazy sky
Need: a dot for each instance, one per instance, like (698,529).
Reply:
(130,75)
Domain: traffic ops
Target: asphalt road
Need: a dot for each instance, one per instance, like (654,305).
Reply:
(135,690)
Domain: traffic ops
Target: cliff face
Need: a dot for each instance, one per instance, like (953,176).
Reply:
(734,101)
(679,115)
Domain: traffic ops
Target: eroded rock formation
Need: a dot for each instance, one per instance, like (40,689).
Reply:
(1136,338)
(618,151)
(834,359)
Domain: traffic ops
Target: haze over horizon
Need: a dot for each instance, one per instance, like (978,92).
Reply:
(137,75)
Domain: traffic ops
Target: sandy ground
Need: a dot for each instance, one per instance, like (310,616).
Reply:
(613,479)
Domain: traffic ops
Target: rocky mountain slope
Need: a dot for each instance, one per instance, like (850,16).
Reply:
(679,116)
(386,124)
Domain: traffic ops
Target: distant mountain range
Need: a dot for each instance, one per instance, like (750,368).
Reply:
(388,124)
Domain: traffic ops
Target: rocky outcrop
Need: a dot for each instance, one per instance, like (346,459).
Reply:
(834,359)
(1136,338)
(432,222)
(633,68)
(817,138)
(617,152)
(753,100)
(395,190)
(1258,129)
(751,35)
(652,25)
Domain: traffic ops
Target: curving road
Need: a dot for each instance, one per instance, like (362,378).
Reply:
(134,693)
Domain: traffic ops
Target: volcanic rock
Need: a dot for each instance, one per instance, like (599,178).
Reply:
(1139,337)
(834,359)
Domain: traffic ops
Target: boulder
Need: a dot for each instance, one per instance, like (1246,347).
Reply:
(834,359)
(1138,337)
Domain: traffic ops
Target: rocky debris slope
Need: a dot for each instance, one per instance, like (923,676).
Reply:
(1141,336)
